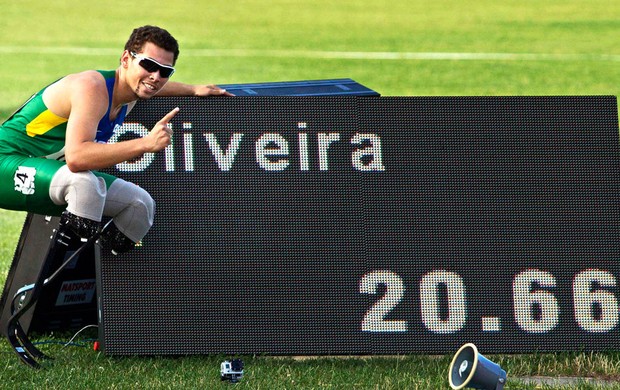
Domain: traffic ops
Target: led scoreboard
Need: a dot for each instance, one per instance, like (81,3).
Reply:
(372,225)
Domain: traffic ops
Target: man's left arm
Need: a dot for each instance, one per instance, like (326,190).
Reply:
(174,88)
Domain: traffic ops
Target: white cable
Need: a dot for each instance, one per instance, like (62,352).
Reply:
(78,332)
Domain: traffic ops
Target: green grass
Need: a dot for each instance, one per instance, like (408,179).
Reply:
(11,223)
(83,368)
(582,34)
(576,27)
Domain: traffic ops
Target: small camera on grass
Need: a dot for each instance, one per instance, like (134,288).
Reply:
(231,370)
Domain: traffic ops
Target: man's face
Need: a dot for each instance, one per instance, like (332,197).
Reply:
(144,82)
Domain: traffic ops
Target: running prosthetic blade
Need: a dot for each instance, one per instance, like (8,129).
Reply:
(29,294)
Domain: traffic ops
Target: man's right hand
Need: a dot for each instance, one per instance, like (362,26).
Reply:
(161,134)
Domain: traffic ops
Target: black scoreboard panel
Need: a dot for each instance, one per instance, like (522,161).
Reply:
(372,225)
(68,303)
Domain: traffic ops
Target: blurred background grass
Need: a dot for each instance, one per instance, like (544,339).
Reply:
(561,47)
(246,31)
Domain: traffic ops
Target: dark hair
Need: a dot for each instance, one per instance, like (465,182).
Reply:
(156,35)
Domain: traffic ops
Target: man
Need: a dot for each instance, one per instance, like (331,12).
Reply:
(52,147)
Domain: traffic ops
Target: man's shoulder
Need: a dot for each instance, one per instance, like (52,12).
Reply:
(90,81)
(85,89)
(88,76)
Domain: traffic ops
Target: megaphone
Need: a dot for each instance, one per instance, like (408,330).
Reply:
(470,369)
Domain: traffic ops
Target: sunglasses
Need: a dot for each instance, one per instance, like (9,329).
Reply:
(153,66)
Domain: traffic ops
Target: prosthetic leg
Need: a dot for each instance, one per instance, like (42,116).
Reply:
(72,232)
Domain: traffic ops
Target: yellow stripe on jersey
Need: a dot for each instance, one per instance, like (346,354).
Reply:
(43,123)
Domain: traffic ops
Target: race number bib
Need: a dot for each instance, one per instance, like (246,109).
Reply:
(24,180)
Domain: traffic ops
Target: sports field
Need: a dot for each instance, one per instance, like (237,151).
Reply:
(407,47)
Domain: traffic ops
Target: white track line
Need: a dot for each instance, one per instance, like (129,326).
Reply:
(346,55)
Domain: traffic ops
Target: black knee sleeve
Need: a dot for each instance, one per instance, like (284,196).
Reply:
(83,227)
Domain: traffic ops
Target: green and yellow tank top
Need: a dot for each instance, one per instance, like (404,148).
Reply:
(34,131)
